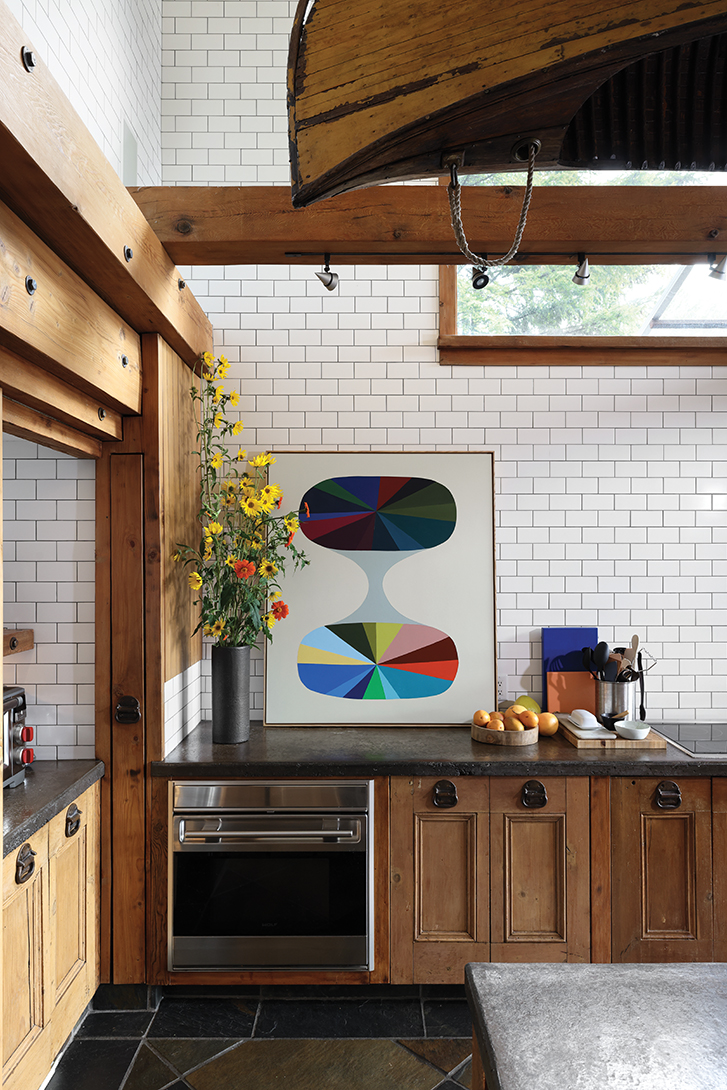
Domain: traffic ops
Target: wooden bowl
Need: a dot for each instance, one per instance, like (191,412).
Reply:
(505,737)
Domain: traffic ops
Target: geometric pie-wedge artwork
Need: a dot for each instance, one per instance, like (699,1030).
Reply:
(393,622)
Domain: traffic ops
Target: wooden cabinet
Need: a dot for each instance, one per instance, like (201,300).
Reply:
(440,880)
(719,855)
(26,1045)
(500,876)
(661,870)
(50,941)
(539,869)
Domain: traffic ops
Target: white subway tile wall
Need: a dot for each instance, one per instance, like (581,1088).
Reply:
(49,584)
(105,56)
(182,706)
(611,483)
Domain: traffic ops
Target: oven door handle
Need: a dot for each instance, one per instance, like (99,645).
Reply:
(271,834)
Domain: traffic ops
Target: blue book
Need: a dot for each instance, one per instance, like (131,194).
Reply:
(563,650)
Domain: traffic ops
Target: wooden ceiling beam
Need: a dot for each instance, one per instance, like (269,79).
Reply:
(30,385)
(60,324)
(56,178)
(37,427)
(410,225)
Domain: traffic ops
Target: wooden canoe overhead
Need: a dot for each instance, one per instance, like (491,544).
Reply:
(382,90)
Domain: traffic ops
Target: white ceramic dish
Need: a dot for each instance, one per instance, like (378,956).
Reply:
(633,729)
(584,720)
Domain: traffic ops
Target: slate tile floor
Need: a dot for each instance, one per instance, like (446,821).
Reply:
(382,1037)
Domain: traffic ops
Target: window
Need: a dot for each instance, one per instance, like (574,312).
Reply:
(650,296)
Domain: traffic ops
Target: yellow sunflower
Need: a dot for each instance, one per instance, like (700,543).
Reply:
(267,569)
(251,505)
(261,460)
(195,580)
(217,627)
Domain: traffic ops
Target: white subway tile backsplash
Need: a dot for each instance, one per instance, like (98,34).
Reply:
(42,590)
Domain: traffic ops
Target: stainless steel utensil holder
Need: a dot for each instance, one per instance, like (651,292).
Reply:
(613,697)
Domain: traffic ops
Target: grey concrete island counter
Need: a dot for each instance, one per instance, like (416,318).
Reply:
(600,1027)
(411,751)
(49,787)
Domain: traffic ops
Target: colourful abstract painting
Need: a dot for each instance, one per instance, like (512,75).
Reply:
(378,514)
(393,621)
(377,661)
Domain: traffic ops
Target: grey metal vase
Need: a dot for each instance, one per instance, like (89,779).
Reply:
(230,695)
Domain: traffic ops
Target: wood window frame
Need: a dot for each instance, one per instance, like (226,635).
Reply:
(475,351)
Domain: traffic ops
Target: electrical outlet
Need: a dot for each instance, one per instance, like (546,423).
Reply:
(500,688)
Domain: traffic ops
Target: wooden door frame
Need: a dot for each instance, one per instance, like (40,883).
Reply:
(167,644)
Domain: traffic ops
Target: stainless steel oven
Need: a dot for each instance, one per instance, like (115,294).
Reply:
(271,874)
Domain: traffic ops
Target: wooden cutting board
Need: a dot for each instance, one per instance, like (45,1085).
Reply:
(606,739)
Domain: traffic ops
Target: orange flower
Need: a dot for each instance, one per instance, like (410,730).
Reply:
(244,569)
(280,610)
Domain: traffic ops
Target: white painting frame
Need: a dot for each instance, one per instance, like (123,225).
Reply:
(449,587)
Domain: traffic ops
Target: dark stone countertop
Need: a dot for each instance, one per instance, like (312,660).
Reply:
(600,1027)
(49,787)
(410,751)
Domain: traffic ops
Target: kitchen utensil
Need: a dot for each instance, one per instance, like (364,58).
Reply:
(631,728)
(600,657)
(587,659)
(610,670)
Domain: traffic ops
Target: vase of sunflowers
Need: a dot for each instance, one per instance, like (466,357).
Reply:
(245,544)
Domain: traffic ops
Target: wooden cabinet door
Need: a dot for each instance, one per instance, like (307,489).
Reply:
(661,864)
(440,881)
(719,834)
(539,869)
(26,1049)
(72,952)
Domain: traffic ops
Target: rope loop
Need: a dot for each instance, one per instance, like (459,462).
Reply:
(454,191)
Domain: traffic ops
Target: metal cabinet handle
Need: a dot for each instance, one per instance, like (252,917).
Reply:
(25,864)
(668,795)
(73,819)
(444,794)
(127,710)
(533,795)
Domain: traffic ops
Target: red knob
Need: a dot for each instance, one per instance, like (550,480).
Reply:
(26,734)
(27,756)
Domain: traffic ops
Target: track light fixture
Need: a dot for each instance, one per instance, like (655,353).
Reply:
(582,275)
(328,279)
(480,279)
(718,269)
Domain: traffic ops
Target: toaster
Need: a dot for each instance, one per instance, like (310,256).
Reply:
(16,736)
